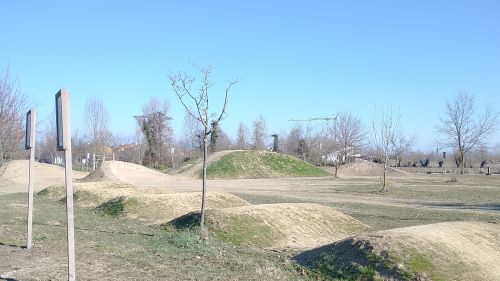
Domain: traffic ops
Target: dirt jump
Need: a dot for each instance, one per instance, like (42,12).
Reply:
(137,175)
(441,251)
(192,170)
(286,225)
(14,176)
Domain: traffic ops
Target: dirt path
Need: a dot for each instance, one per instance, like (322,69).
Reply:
(348,189)
(330,190)
(193,171)
(14,176)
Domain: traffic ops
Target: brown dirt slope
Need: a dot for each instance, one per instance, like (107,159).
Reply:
(193,170)
(156,205)
(290,225)
(134,174)
(14,176)
(443,251)
(366,168)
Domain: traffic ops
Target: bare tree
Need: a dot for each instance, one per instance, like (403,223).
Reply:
(158,133)
(97,122)
(47,149)
(348,133)
(224,142)
(463,129)
(388,138)
(12,109)
(296,142)
(242,136)
(214,135)
(402,145)
(192,134)
(259,133)
(304,142)
(182,86)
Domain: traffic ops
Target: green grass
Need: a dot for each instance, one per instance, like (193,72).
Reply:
(420,263)
(350,260)
(259,164)
(113,207)
(118,248)
(239,230)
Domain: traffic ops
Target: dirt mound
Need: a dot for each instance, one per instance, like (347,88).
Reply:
(366,168)
(119,171)
(442,251)
(291,225)
(14,176)
(156,205)
(192,170)
(261,164)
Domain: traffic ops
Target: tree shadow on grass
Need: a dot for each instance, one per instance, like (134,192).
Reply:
(462,206)
(13,246)
(7,279)
(116,232)
(349,259)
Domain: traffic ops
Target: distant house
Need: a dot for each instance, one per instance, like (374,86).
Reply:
(58,160)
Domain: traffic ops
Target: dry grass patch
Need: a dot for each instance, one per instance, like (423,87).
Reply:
(290,225)
(118,171)
(154,205)
(442,251)
(14,175)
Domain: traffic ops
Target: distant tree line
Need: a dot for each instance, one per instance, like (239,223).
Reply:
(462,131)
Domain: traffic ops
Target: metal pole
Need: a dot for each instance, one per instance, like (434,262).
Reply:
(31,180)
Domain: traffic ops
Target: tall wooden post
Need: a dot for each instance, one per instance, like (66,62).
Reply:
(64,144)
(30,144)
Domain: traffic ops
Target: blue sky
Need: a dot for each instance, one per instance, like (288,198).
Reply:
(295,59)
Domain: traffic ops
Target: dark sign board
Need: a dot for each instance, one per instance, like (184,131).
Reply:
(60,120)
(28,144)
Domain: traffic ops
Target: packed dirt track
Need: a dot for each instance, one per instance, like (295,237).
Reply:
(14,176)
(430,226)
(134,174)
(442,251)
(290,225)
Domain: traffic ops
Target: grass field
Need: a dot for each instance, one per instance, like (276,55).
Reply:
(260,164)
(117,248)
(116,240)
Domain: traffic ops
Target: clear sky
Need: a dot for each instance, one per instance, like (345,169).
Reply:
(295,59)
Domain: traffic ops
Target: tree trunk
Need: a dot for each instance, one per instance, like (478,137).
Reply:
(203,189)
(1,155)
(462,162)
(384,178)
(336,171)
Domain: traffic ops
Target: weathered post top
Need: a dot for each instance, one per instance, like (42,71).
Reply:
(30,128)
(63,120)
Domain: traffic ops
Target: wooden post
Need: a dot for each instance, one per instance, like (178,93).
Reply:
(93,162)
(64,144)
(30,144)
